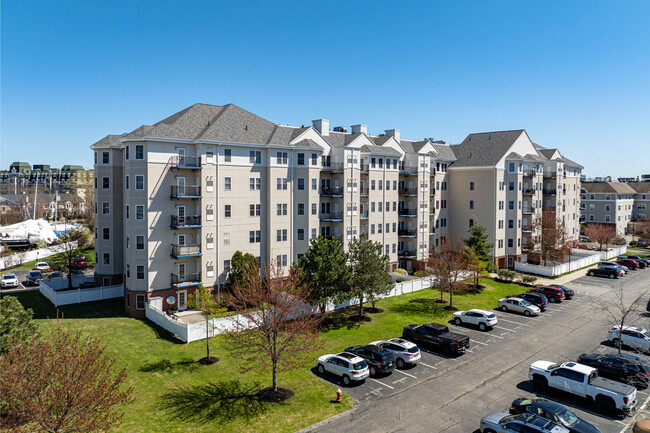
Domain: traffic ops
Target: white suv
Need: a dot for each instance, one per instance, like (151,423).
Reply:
(481,318)
(631,336)
(9,280)
(406,352)
(347,366)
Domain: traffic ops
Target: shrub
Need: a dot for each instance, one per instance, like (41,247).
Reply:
(420,274)
(491,267)
(400,271)
(506,274)
(16,322)
(529,279)
(633,243)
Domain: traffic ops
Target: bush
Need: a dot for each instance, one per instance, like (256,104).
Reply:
(529,279)
(633,243)
(16,322)
(491,267)
(420,274)
(506,274)
(400,271)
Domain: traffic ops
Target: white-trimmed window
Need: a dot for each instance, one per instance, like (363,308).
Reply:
(106,208)
(139,151)
(139,272)
(226,238)
(106,182)
(139,212)
(126,182)
(107,258)
(106,158)
(139,181)
(227,183)
(139,242)
(139,299)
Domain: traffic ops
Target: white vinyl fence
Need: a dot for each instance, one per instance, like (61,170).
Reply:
(198,331)
(20,258)
(579,259)
(57,292)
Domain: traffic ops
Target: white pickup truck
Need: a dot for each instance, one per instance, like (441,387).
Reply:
(583,381)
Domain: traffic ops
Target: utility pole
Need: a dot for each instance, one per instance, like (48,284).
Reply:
(35,196)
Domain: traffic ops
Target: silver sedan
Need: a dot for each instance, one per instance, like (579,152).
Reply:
(518,305)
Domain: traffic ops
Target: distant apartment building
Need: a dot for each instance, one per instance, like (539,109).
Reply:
(615,203)
(641,210)
(21,174)
(176,199)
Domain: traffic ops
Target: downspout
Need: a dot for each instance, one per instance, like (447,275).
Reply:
(217,215)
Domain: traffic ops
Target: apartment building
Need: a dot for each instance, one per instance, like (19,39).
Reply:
(610,203)
(641,207)
(504,181)
(176,199)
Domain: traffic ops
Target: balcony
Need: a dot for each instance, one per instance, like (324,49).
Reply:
(410,213)
(185,222)
(364,216)
(186,280)
(178,162)
(406,254)
(408,192)
(528,210)
(530,191)
(185,192)
(331,191)
(332,167)
(527,228)
(406,233)
(330,236)
(188,250)
(364,191)
(550,174)
(364,168)
(433,173)
(549,191)
(408,171)
(332,216)
(530,173)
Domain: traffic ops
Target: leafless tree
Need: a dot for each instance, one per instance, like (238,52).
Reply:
(551,243)
(620,307)
(277,328)
(642,229)
(601,233)
(448,262)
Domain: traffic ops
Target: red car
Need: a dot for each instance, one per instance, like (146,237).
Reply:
(80,263)
(632,264)
(554,294)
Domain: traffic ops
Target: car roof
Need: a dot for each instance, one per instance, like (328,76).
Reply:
(434,325)
(407,344)
(9,275)
(630,328)
(559,286)
(585,369)
(350,356)
(478,310)
(519,299)
(546,404)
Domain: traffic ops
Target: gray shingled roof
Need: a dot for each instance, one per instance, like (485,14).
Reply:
(640,187)
(380,150)
(380,140)
(567,161)
(109,140)
(308,144)
(547,153)
(614,187)
(484,149)
(445,152)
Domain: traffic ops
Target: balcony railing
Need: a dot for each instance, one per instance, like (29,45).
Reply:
(550,174)
(527,228)
(331,216)
(408,192)
(186,280)
(188,162)
(193,250)
(179,191)
(364,168)
(406,233)
(549,191)
(530,191)
(185,222)
(528,210)
(333,167)
(530,173)
(364,191)
(408,213)
(364,216)
(331,191)
(337,237)
(408,171)
(406,254)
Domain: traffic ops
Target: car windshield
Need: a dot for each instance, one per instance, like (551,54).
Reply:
(34,274)
(413,349)
(7,277)
(568,418)
(509,418)
(359,365)
(525,303)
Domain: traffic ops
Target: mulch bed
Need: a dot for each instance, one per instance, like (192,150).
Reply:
(374,310)
(282,394)
(449,308)
(356,318)
(208,361)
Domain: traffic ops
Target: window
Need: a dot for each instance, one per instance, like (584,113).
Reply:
(107,258)
(209,214)
(381,163)
(301,159)
(372,184)
(139,242)
(500,204)
(500,243)
(255,183)
(510,243)
(301,208)
(254,210)
(313,233)
(380,184)
(128,275)
(511,224)
(106,235)
(209,157)
(255,236)
(314,159)
(106,208)
(372,162)
(126,182)
(471,222)
(301,234)
(139,151)
(139,299)
(500,224)
(227,183)
(511,167)
(379,205)
(281,260)
(227,155)
(209,185)
(95,182)
(380,228)
(372,229)
(511,204)
(255,157)
(96,157)
(281,235)
(226,266)
(372,206)
(226,238)
(227,210)
(139,273)
(607,218)
(281,157)
(394,206)
(106,182)
(471,204)
(281,183)
(471,186)
(281,209)
(139,181)
(511,186)
(607,207)
(314,184)
(105,157)
(139,212)
(301,184)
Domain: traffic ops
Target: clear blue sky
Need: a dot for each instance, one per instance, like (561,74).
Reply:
(574,74)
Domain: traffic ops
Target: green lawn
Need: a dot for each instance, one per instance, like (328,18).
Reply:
(57,260)
(138,344)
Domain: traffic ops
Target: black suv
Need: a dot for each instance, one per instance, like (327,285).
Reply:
(534,298)
(616,368)
(638,259)
(380,360)
(603,272)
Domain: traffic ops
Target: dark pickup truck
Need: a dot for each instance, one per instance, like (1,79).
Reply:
(437,336)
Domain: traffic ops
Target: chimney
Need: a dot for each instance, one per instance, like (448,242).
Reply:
(393,133)
(322,126)
(356,129)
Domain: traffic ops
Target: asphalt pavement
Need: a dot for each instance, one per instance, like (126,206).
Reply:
(444,394)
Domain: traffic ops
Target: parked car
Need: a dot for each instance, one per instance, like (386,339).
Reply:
(348,366)
(613,265)
(9,280)
(584,238)
(33,278)
(605,272)
(583,381)
(77,273)
(640,263)
(634,358)
(639,259)
(537,299)
(554,294)
(42,266)
(568,293)
(505,423)
(481,318)
(406,352)
(617,368)
(628,263)
(553,411)
(80,263)
(642,243)
(55,274)
(437,336)
(380,361)
(518,305)
(630,336)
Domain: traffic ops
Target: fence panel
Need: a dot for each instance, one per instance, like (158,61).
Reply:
(42,253)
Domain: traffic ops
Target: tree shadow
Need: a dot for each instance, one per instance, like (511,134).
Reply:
(44,309)
(165,365)
(215,402)
(420,307)
(345,317)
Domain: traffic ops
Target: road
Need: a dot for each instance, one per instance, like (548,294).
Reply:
(452,395)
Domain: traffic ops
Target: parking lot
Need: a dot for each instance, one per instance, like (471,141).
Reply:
(453,394)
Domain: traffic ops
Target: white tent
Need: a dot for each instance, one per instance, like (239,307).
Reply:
(32,230)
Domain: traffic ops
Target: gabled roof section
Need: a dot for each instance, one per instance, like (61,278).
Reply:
(640,187)
(380,150)
(445,152)
(108,141)
(233,124)
(570,163)
(485,149)
(550,154)
(613,187)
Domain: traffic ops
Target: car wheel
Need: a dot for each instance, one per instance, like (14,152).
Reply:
(527,313)
(373,371)
(605,405)
(482,327)
(591,274)
(504,308)
(617,342)
(457,321)
(612,276)
(400,363)
(321,369)
(346,380)
(552,300)
(539,384)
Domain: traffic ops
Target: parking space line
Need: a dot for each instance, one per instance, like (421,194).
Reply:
(505,329)
(492,334)
(467,350)
(409,375)
(375,380)
(427,365)
(476,341)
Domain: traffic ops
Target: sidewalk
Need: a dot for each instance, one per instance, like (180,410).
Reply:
(564,280)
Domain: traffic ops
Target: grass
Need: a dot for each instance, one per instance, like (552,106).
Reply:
(58,260)
(643,256)
(159,366)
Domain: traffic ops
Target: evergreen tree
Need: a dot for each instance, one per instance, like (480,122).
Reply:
(240,265)
(370,279)
(477,241)
(16,322)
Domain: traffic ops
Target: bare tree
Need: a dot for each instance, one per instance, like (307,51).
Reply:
(63,383)
(621,307)
(277,327)
(642,229)
(72,240)
(601,233)
(448,262)
(551,243)
(204,301)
